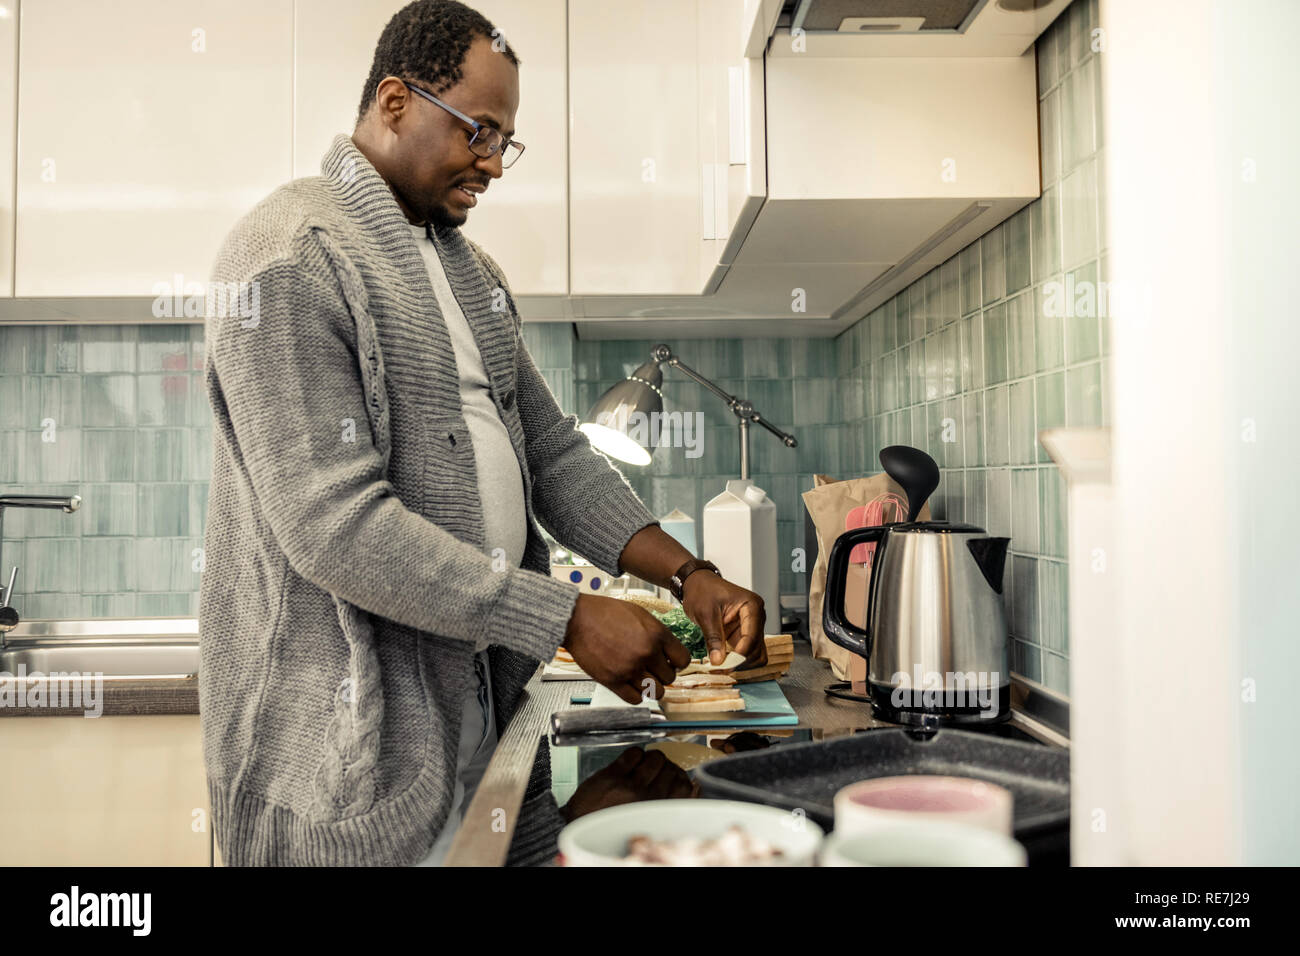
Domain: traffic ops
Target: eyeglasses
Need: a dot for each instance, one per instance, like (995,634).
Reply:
(486,141)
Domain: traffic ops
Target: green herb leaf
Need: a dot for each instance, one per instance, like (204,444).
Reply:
(684,629)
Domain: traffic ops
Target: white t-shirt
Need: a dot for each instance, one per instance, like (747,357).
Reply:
(500,484)
(505,526)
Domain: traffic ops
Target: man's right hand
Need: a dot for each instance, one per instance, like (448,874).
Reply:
(624,647)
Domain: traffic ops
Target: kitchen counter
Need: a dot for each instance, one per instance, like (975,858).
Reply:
(488,826)
(147,667)
(121,697)
(500,793)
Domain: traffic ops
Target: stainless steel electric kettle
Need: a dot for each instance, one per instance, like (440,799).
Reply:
(936,633)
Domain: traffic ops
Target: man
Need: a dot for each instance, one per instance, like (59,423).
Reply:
(377,591)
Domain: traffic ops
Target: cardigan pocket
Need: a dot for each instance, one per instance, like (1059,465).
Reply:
(345,780)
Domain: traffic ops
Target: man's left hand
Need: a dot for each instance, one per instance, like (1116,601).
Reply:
(728,615)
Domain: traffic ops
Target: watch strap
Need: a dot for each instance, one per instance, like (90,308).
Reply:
(677,583)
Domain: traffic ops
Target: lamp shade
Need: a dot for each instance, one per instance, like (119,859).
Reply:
(618,423)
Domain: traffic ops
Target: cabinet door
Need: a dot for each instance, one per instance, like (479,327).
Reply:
(107,791)
(731,133)
(146,128)
(732,93)
(635,167)
(712,134)
(522,222)
(8,84)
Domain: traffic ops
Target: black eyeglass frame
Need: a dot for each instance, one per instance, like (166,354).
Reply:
(479,130)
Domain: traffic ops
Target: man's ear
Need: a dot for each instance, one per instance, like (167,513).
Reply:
(392,102)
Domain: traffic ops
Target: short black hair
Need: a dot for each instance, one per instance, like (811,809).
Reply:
(427,41)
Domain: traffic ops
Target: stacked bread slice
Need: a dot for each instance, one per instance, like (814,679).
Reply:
(780,655)
(701,693)
(706,688)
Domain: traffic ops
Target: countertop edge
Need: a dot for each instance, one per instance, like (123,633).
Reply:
(115,697)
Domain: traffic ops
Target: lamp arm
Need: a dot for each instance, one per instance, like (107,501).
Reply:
(786,438)
(742,409)
(731,400)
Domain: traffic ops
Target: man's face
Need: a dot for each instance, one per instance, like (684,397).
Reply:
(431,158)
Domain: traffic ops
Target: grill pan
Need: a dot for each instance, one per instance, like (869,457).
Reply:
(807,776)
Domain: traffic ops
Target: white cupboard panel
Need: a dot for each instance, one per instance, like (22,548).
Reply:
(146,128)
(8,95)
(892,128)
(636,168)
(107,791)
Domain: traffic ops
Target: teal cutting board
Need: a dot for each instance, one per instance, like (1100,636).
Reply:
(760,697)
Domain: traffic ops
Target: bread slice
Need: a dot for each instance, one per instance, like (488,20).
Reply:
(702,707)
(729,663)
(770,672)
(685,681)
(678,696)
(565,667)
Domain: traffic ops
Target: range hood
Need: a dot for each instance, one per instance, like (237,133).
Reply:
(880,155)
(918,27)
(931,153)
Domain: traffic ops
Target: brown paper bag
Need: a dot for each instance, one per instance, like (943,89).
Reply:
(830,503)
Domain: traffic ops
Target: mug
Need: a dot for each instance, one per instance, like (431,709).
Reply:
(871,804)
(922,843)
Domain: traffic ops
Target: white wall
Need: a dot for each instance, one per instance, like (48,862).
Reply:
(1206,519)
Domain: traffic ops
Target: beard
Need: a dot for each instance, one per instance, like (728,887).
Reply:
(440,217)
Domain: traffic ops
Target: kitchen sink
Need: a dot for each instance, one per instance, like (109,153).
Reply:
(151,659)
(114,647)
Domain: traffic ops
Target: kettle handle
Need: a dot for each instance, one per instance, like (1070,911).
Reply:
(835,622)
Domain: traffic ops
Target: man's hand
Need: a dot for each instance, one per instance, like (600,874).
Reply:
(727,614)
(634,775)
(624,647)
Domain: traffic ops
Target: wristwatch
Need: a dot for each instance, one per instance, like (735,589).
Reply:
(678,581)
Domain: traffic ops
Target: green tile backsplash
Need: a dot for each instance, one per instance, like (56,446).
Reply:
(1005,363)
(969,363)
(798,383)
(116,414)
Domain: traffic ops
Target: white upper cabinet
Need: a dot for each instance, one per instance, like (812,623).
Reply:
(8,92)
(676,162)
(634,135)
(925,156)
(732,131)
(667,138)
(522,221)
(146,128)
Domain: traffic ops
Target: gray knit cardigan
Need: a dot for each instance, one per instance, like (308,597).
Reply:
(344,581)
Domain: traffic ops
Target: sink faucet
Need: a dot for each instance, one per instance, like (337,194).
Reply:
(67,504)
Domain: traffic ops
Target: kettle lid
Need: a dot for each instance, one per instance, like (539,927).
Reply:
(936,527)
